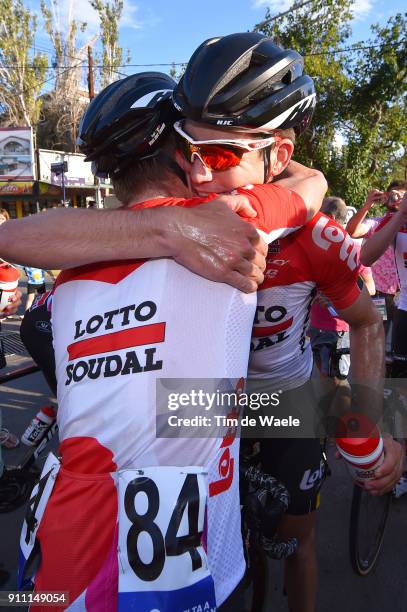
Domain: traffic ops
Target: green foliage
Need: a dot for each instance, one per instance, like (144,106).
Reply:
(22,71)
(112,54)
(361,96)
(63,107)
(176,73)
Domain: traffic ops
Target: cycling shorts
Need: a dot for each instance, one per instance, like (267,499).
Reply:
(36,334)
(296,462)
(324,343)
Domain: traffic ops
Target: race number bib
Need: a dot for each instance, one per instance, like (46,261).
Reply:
(162,563)
(29,549)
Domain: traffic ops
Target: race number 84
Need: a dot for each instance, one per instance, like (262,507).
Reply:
(168,544)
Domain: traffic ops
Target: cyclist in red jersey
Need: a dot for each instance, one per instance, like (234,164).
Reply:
(226,87)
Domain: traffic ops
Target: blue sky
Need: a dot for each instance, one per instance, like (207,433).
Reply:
(163,31)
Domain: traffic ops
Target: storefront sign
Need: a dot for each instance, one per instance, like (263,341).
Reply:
(16,187)
(78,174)
(16,154)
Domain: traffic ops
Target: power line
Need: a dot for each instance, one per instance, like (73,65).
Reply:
(295,7)
(85,65)
(353,48)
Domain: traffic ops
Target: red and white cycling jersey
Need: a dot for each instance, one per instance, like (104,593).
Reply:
(400,252)
(135,521)
(321,255)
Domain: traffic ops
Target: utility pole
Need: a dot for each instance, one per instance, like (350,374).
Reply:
(91,82)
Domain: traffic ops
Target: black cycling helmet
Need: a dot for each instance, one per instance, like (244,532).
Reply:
(127,121)
(245,81)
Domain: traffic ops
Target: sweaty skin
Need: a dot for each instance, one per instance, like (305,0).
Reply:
(210,240)
(367,358)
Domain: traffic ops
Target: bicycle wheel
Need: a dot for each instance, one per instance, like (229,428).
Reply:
(368,520)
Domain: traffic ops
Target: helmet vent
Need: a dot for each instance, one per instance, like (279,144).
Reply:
(264,91)
(119,93)
(235,72)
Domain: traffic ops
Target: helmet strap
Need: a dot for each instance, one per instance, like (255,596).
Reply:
(172,165)
(266,161)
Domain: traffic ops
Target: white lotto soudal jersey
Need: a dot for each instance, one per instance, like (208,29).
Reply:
(136,521)
(320,256)
(400,252)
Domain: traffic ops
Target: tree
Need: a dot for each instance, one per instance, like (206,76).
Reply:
(361,95)
(64,106)
(318,31)
(112,54)
(377,111)
(22,71)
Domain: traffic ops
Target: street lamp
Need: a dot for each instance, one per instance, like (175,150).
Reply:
(60,168)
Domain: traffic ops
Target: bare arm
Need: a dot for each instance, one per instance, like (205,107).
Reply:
(309,183)
(377,243)
(355,225)
(367,339)
(367,359)
(210,240)
(368,279)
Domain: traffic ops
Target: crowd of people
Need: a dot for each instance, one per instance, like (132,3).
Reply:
(224,259)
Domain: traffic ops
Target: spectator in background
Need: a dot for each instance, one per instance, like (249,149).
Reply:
(7,438)
(392,233)
(35,284)
(384,269)
(327,331)
(4,216)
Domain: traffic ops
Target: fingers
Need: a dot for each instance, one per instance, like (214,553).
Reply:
(261,246)
(239,204)
(241,282)
(13,305)
(214,242)
(16,297)
(259,260)
(375,194)
(250,271)
(388,474)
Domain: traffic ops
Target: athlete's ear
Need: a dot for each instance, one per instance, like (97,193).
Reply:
(280,156)
(182,162)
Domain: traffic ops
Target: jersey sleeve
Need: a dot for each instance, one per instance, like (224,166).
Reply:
(335,260)
(381,224)
(280,211)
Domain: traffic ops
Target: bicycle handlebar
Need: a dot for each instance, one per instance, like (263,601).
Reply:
(263,510)
(270,484)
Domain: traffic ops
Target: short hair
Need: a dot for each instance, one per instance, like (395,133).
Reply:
(335,208)
(5,214)
(147,174)
(288,133)
(397,184)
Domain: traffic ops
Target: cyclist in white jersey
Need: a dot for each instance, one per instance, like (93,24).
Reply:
(116,328)
(226,87)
